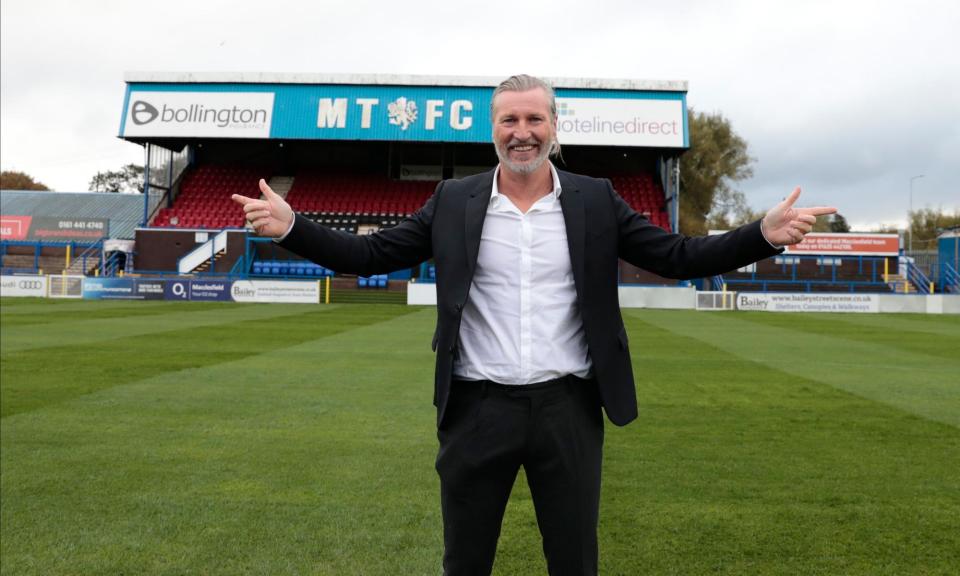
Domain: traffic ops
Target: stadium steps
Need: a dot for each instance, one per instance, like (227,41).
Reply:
(206,265)
(281,185)
(899,284)
(77,267)
(46,264)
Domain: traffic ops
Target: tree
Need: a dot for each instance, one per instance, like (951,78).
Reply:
(718,157)
(927,224)
(839,224)
(11,180)
(128,178)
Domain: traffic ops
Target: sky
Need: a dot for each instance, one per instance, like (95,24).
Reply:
(848,99)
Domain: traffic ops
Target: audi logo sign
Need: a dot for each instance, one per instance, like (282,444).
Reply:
(23,286)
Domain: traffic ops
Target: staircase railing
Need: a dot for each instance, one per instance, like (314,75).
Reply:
(950,278)
(92,256)
(918,279)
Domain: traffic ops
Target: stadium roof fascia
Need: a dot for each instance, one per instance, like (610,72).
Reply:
(391,80)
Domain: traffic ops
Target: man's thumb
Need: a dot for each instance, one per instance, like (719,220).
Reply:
(792,197)
(266,190)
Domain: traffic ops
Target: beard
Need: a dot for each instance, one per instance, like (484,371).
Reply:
(528,166)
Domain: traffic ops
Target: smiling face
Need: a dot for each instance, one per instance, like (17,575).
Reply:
(524,130)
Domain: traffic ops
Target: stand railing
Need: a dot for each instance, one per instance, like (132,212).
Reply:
(919,280)
(950,278)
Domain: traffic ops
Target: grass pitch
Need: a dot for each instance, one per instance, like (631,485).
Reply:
(225,439)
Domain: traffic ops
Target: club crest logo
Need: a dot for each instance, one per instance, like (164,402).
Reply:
(402,112)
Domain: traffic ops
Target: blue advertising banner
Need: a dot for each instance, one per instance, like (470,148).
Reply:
(209,291)
(197,290)
(176,290)
(109,289)
(149,289)
(392,113)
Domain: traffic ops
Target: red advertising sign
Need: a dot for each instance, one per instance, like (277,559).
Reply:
(63,228)
(14,227)
(847,244)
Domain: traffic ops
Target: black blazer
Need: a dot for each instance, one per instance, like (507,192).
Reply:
(601,228)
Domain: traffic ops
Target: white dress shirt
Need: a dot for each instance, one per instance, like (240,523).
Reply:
(521,324)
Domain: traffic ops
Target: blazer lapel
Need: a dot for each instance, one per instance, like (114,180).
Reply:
(573,215)
(474,215)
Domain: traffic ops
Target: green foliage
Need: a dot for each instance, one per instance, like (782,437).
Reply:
(927,224)
(128,178)
(13,180)
(838,223)
(833,223)
(190,438)
(717,159)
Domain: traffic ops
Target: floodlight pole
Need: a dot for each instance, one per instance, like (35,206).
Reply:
(910,213)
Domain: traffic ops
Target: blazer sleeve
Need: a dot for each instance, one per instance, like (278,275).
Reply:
(683,257)
(405,245)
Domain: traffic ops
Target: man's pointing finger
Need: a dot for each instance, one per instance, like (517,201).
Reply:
(818,210)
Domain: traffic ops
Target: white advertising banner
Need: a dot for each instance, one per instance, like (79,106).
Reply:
(199,114)
(276,291)
(808,302)
(620,122)
(23,286)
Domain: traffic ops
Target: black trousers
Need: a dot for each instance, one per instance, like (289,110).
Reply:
(555,431)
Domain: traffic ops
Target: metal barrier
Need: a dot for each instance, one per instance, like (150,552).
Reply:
(951,279)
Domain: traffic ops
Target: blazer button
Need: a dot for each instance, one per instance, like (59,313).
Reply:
(453,348)
(458,307)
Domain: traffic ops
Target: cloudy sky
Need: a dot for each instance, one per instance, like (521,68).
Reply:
(849,99)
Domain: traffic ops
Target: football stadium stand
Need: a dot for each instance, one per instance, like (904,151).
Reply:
(204,200)
(361,153)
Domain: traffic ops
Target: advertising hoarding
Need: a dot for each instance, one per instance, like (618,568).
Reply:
(302,292)
(53,228)
(198,290)
(23,286)
(620,122)
(807,302)
(110,289)
(199,114)
(831,244)
(392,113)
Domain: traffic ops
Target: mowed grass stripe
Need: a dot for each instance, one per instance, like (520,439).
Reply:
(10,307)
(942,324)
(30,380)
(107,309)
(176,316)
(939,339)
(735,467)
(918,383)
(315,458)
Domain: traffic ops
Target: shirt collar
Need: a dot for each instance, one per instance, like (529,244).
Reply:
(553,173)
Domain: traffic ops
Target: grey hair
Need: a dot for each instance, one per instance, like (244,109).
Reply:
(523,83)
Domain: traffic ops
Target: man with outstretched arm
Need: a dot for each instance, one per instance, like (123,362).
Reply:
(530,343)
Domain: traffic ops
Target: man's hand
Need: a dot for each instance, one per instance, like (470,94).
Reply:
(784,225)
(271,216)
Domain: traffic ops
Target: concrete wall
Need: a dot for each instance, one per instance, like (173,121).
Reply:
(685,298)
